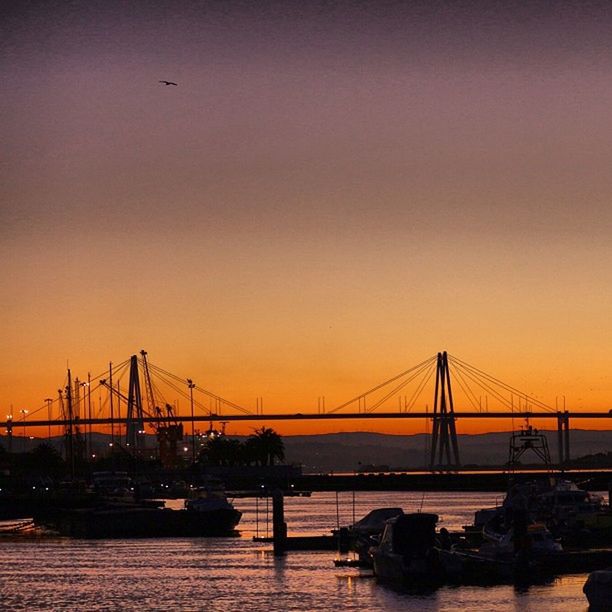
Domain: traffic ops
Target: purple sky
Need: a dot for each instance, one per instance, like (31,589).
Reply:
(334,191)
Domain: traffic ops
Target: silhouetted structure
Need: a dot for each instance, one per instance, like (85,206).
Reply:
(528,440)
(444,433)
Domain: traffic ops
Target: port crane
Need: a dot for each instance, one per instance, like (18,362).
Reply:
(167,427)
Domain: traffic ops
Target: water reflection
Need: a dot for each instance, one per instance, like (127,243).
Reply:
(234,573)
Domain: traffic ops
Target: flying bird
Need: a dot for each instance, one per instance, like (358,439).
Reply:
(169,83)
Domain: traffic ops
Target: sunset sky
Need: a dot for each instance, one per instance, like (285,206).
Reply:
(334,192)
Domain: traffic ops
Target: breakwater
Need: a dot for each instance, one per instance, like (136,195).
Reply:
(443,481)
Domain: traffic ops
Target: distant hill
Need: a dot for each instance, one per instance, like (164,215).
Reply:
(351,451)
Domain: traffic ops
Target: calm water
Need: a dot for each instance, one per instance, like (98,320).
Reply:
(238,574)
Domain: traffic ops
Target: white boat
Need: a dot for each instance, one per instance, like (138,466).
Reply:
(537,541)
(209,499)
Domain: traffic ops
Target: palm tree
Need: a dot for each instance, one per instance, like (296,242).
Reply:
(222,451)
(265,446)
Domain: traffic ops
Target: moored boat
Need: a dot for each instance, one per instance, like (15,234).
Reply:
(364,533)
(406,552)
(210,515)
(598,590)
(139,521)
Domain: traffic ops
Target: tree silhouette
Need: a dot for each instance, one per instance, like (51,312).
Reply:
(222,451)
(265,446)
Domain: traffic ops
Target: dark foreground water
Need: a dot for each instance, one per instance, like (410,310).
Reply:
(228,574)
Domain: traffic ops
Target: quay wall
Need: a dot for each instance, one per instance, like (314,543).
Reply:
(459,481)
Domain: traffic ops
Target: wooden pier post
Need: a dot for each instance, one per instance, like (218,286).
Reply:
(566,436)
(279,527)
(560,439)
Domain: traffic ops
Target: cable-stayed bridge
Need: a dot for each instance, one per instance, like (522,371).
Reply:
(139,395)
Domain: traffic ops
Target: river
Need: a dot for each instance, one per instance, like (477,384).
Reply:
(238,574)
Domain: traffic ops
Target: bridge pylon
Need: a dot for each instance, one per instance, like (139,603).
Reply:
(444,433)
(134,420)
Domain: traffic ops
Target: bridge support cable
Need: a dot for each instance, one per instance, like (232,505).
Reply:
(491,385)
(55,408)
(486,381)
(485,386)
(419,368)
(465,387)
(181,383)
(419,389)
(427,368)
(444,432)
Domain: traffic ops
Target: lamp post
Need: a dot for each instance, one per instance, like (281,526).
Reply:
(191,385)
(84,389)
(9,430)
(23,413)
(49,401)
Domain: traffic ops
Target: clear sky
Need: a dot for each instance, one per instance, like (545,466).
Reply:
(333,192)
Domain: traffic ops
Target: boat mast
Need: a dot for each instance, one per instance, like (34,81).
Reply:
(69,437)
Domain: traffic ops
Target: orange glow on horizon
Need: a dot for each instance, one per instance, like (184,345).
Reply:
(399,427)
(331,194)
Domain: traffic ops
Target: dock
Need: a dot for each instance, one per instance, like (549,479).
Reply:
(265,493)
(314,542)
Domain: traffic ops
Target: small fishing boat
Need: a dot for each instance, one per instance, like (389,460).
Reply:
(516,554)
(406,553)
(209,513)
(538,541)
(573,514)
(363,534)
(134,521)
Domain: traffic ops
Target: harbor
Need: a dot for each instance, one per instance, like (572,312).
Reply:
(526,523)
(193,573)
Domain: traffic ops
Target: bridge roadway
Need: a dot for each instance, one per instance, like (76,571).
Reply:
(298,416)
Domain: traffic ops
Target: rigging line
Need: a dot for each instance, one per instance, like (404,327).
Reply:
(103,403)
(116,368)
(185,395)
(502,384)
(458,376)
(36,410)
(358,397)
(44,406)
(173,386)
(179,389)
(396,389)
(158,394)
(420,388)
(223,401)
(94,403)
(201,389)
(487,387)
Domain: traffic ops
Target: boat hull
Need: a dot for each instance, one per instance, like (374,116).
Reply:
(141,522)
